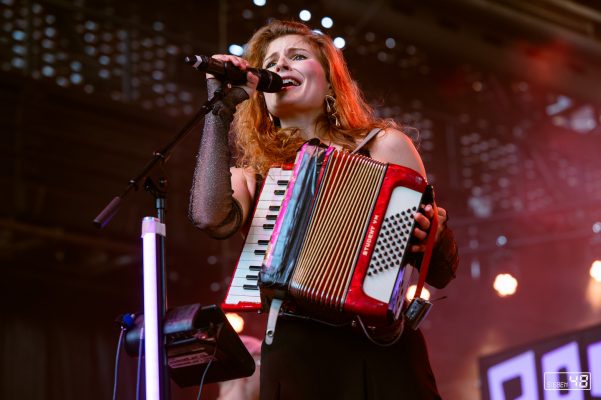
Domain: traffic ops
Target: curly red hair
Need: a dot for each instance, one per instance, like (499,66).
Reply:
(260,143)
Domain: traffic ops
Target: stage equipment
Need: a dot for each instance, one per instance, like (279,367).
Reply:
(195,335)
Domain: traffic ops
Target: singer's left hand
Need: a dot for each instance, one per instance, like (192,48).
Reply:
(252,80)
(423,219)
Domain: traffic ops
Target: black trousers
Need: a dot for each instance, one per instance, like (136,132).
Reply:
(312,361)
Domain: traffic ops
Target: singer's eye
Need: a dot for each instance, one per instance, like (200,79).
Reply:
(270,64)
(298,57)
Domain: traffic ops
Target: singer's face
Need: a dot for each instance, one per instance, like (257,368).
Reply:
(305,83)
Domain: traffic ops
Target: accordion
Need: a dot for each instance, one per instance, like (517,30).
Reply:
(330,238)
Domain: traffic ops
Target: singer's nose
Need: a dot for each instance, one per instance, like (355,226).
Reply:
(282,64)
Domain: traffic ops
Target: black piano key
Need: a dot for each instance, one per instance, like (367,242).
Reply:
(260,252)
(250,287)
(263,242)
(268,226)
(271,217)
(252,277)
(254,268)
(274,208)
(279,192)
(283,182)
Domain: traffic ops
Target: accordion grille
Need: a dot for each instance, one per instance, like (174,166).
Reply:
(338,225)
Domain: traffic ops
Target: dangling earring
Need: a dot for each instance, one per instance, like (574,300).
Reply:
(331,110)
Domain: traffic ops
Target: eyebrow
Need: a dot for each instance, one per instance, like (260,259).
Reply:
(290,49)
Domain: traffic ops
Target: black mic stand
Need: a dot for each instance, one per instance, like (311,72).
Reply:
(153,234)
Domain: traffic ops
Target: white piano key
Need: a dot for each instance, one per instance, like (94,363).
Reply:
(242,280)
(241,298)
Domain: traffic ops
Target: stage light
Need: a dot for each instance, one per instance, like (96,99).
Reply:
(596,270)
(304,15)
(48,71)
(236,321)
(339,42)
(505,284)
(597,227)
(236,49)
(76,79)
(390,43)
(501,241)
(19,35)
(327,22)
(259,3)
(475,269)
(411,293)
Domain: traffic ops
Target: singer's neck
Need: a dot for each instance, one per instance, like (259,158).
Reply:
(304,121)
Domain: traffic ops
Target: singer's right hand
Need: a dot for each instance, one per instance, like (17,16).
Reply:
(252,80)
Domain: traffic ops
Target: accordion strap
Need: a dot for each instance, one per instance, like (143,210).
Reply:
(366,139)
(423,272)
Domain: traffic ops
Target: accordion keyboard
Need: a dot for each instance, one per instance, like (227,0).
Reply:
(243,293)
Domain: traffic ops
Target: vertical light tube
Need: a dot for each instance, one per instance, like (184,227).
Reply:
(151,227)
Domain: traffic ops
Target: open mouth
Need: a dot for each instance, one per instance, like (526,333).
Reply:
(288,82)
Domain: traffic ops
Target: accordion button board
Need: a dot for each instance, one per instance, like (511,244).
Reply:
(393,238)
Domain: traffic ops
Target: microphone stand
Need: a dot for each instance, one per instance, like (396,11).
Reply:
(153,237)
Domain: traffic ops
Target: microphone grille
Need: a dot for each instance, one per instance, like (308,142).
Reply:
(269,82)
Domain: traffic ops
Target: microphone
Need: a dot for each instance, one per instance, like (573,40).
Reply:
(268,81)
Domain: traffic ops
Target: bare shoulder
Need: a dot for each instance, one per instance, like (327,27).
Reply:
(395,147)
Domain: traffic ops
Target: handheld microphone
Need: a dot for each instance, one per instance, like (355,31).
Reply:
(268,81)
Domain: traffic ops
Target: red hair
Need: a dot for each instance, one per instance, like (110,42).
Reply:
(260,143)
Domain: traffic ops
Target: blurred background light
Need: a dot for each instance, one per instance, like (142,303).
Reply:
(596,270)
(505,285)
(236,49)
(327,22)
(411,292)
(339,42)
(304,15)
(236,321)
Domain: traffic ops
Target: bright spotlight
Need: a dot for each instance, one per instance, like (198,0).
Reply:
(596,270)
(236,321)
(259,3)
(305,15)
(236,50)
(327,22)
(411,293)
(505,284)
(339,42)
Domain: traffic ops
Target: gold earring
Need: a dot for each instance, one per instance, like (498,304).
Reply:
(331,110)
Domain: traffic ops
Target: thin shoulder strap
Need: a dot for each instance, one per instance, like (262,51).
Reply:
(367,139)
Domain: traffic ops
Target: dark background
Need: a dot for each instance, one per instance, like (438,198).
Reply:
(503,95)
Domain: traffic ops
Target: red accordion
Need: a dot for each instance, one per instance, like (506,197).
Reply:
(330,238)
